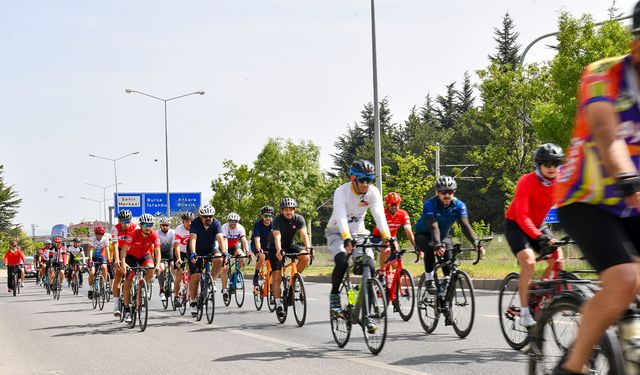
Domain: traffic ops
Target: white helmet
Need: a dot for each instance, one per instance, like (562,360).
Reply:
(164,220)
(233,217)
(207,210)
(147,219)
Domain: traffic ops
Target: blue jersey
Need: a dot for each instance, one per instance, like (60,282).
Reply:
(445,216)
(262,231)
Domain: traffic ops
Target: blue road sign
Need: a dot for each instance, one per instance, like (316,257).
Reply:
(156,203)
(552,216)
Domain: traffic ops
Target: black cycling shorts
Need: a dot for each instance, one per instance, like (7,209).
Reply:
(604,239)
(200,264)
(167,255)
(518,240)
(276,265)
(425,243)
(132,261)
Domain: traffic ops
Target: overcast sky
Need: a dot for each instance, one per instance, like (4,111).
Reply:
(294,69)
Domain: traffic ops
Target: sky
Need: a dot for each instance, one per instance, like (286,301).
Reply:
(298,69)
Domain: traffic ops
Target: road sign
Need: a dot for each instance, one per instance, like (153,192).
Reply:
(156,203)
(552,216)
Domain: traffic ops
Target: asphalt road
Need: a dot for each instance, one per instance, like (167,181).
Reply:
(42,336)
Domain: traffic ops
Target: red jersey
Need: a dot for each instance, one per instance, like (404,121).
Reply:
(400,219)
(120,235)
(141,245)
(14,258)
(531,204)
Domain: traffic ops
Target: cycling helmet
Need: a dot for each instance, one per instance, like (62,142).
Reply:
(446,183)
(362,168)
(125,215)
(207,210)
(188,216)
(288,203)
(57,240)
(99,230)
(267,210)
(147,219)
(76,239)
(548,152)
(233,217)
(392,198)
(47,242)
(164,220)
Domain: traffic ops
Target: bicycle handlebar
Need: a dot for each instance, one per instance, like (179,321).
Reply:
(248,256)
(295,255)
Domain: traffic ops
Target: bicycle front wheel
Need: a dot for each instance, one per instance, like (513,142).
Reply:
(16,284)
(101,293)
(182,297)
(74,282)
(166,286)
(428,311)
(405,295)
(463,305)
(210,302)
(258,299)
(341,323)
(271,299)
(299,300)
(555,332)
(508,312)
(239,294)
(375,311)
(286,292)
(142,305)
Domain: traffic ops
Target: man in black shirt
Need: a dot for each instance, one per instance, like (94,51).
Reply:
(260,239)
(283,233)
(205,230)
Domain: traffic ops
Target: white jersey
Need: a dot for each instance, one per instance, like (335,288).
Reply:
(166,240)
(98,248)
(181,237)
(74,250)
(350,208)
(233,235)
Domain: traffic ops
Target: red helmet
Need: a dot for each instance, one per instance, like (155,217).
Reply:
(57,240)
(99,230)
(393,198)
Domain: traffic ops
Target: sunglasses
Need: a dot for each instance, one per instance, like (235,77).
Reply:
(233,222)
(12,246)
(146,225)
(164,225)
(125,222)
(446,192)
(364,180)
(208,217)
(551,163)
(267,216)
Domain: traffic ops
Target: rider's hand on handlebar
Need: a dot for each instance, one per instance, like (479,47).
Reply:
(157,270)
(348,245)
(439,249)
(279,255)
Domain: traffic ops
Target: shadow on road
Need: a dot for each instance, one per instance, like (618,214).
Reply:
(309,352)
(467,356)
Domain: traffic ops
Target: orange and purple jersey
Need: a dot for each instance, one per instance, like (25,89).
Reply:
(583,177)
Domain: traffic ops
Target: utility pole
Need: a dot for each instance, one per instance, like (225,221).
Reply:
(33,230)
(437,159)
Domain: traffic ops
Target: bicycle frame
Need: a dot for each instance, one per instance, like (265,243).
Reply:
(267,285)
(395,267)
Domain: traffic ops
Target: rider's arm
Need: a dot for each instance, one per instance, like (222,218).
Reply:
(123,254)
(409,232)
(176,250)
(468,230)
(222,243)
(245,244)
(305,237)
(24,261)
(340,212)
(434,229)
(256,243)
(520,206)
(192,243)
(277,236)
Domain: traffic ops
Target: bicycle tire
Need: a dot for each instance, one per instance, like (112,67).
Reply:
(142,304)
(165,303)
(341,324)
(285,292)
(201,297)
(428,310)
(271,300)
(169,285)
(101,292)
(376,310)
(107,287)
(94,300)
(58,290)
(299,300)
(230,290)
(405,295)
(184,299)
(150,287)
(607,354)
(258,299)
(132,306)
(210,303)
(463,299)
(15,284)
(121,306)
(239,289)
(74,283)
(517,337)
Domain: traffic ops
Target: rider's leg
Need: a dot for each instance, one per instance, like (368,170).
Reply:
(527,260)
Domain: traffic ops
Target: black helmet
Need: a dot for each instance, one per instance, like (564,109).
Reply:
(548,152)
(363,168)
(266,210)
(188,216)
(635,29)
(125,215)
(446,183)
(75,239)
(288,203)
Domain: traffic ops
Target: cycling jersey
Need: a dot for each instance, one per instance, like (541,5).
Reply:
(262,231)
(166,242)
(120,234)
(287,229)
(206,240)
(14,258)
(74,251)
(583,177)
(531,202)
(350,208)
(140,245)
(445,216)
(181,237)
(400,219)
(44,254)
(58,254)
(233,235)
(98,248)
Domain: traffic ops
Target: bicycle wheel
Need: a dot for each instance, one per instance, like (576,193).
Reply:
(463,305)
(96,289)
(142,305)
(210,303)
(74,283)
(168,289)
(258,300)
(405,295)
(341,324)
(555,332)
(132,307)
(376,310)
(299,300)
(121,306)
(428,311)
(184,300)
(101,292)
(58,288)
(16,284)
(150,288)
(286,299)
(239,287)
(230,290)
(271,300)
(107,288)
(202,296)
(508,310)
(165,287)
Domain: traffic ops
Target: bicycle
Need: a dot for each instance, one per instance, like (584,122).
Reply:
(398,284)
(362,308)
(56,286)
(183,293)
(168,284)
(454,295)
(75,283)
(540,293)
(108,284)
(293,292)
(139,298)
(264,289)
(235,278)
(206,297)
(15,279)
(98,287)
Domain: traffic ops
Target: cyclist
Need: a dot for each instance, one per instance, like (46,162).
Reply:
(45,262)
(433,236)
(205,231)
(598,191)
(284,229)
(180,251)
(140,249)
(237,244)
(73,252)
(14,258)
(260,239)
(351,201)
(98,250)
(120,234)
(524,229)
(37,261)
(396,218)
(57,258)
(167,237)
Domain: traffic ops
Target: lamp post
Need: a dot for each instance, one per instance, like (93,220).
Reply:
(104,196)
(95,200)
(376,111)
(115,170)
(166,132)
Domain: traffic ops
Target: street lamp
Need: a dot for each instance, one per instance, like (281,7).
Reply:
(104,195)
(376,110)
(166,137)
(95,200)
(115,170)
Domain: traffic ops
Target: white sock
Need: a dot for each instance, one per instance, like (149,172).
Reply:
(115,301)
(524,311)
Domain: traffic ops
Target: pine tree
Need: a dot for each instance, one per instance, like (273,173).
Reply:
(9,203)
(465,95)
(508,51)
(447,111)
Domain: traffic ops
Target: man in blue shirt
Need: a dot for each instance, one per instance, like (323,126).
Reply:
(433,236)
(260,238)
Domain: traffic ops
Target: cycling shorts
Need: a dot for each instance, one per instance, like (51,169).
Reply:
(604,239)
(518,240)
(200,264)
(167,255)
(145,261)
(276,265)
(99,260)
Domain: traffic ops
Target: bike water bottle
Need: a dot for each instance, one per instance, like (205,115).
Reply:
(629,330)
(351,296)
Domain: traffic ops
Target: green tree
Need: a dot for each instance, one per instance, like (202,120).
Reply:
(465,95)
(447,111)
(508,50)
(9,203)
(233,191)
